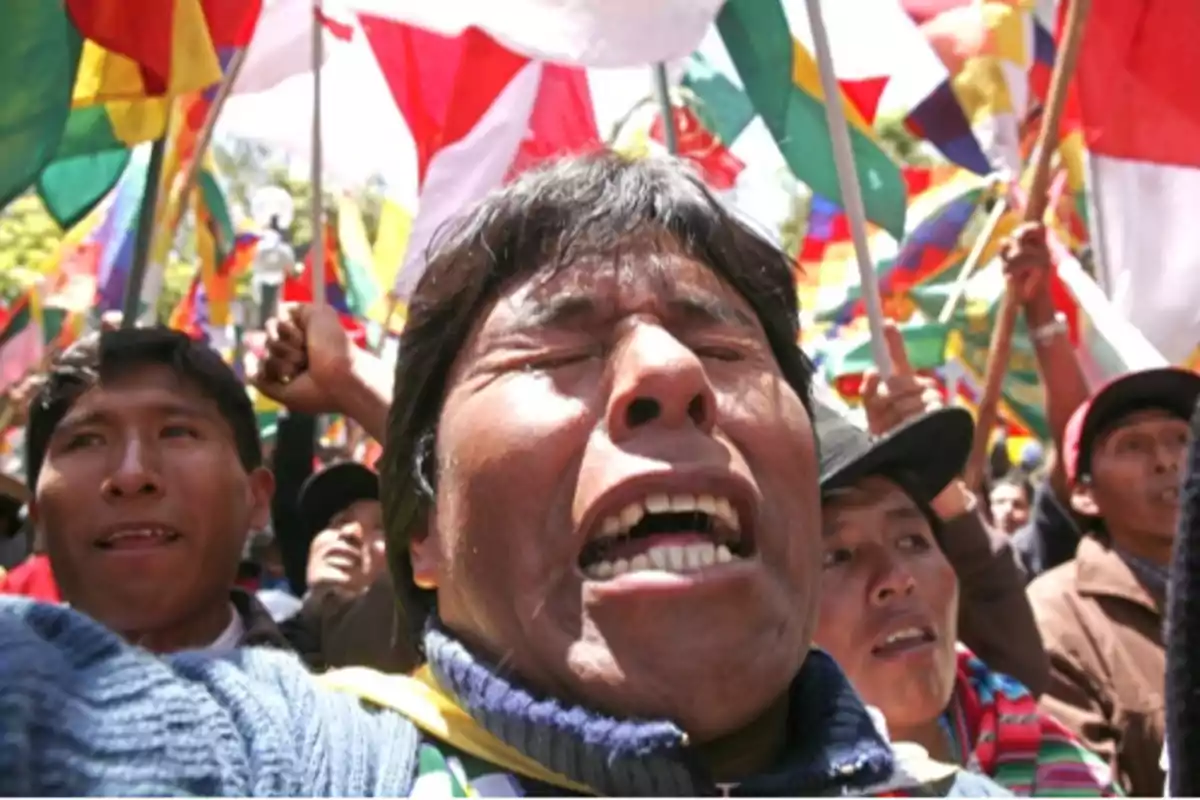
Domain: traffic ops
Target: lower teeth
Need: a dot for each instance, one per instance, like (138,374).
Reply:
(677,559)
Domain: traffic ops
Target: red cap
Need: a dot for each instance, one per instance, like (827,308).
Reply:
(1172,390)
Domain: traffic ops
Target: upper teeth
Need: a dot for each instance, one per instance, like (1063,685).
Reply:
(631,515)
(906,633)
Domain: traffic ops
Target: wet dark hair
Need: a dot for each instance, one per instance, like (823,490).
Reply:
(602,209)
(100,357)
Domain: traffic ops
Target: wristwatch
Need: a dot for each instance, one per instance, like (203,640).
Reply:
(1048,331)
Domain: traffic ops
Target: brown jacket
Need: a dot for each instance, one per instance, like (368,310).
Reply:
(1103,632)
(332,630)
(260,629)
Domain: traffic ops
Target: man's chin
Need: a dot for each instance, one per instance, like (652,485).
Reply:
(706,691)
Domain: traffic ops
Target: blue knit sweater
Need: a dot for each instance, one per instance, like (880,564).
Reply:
(83,713)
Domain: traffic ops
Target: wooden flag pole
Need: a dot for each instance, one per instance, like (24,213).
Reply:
(1035,209)
(994,218)
(203,140)
(318,199)
(843,157)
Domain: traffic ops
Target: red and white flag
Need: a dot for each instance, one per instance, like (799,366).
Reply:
(1139,98)
(448,101)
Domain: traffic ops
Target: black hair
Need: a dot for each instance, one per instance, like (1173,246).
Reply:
(1015,477)
(102,356)
(601,208)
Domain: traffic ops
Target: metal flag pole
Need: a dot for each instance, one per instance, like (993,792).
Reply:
(843,159)
(662,92)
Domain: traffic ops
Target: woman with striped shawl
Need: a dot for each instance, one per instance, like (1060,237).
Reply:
(889,611)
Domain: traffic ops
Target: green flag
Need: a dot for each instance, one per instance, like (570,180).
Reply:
(39,54)
(974,319)
(778,77)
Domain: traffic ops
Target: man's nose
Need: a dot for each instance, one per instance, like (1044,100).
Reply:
(892,581)
(136,471)
(658,380)
(1169,457)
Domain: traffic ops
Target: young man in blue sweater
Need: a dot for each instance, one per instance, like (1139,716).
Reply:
(601,501)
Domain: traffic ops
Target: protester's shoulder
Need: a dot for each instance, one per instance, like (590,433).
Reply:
(75,701)
(1055,586)
(1060,612)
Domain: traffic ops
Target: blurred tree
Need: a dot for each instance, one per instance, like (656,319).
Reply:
(795,226)
(28,238)
(905,148)
(244,167)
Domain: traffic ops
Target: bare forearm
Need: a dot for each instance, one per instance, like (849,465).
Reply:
(1062,378)
(366,394)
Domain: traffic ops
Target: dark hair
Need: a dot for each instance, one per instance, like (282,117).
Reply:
(1018,478)
(600,208)
(99,357)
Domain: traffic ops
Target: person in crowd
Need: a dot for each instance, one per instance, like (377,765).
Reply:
(890,611)
(341,507)
(1101,615)
(1010,499)
(1183,636)
(350,608)
(988,571)
(603,520)
(143,459)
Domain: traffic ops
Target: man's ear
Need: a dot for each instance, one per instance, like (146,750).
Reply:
(1083,499)
(262,489)
(423,551)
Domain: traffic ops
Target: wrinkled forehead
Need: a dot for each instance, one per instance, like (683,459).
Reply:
(593,290)
(136,390)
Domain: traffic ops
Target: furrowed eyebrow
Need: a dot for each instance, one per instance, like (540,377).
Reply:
(575,310)
(560,311)
(705,310)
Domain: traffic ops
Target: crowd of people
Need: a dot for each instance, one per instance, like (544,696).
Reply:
(615,544)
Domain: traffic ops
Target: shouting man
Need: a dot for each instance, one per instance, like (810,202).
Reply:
(602,511)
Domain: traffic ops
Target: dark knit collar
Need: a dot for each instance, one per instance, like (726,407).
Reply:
(833,745)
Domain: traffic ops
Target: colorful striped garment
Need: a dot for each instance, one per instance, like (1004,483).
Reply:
(998,730)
